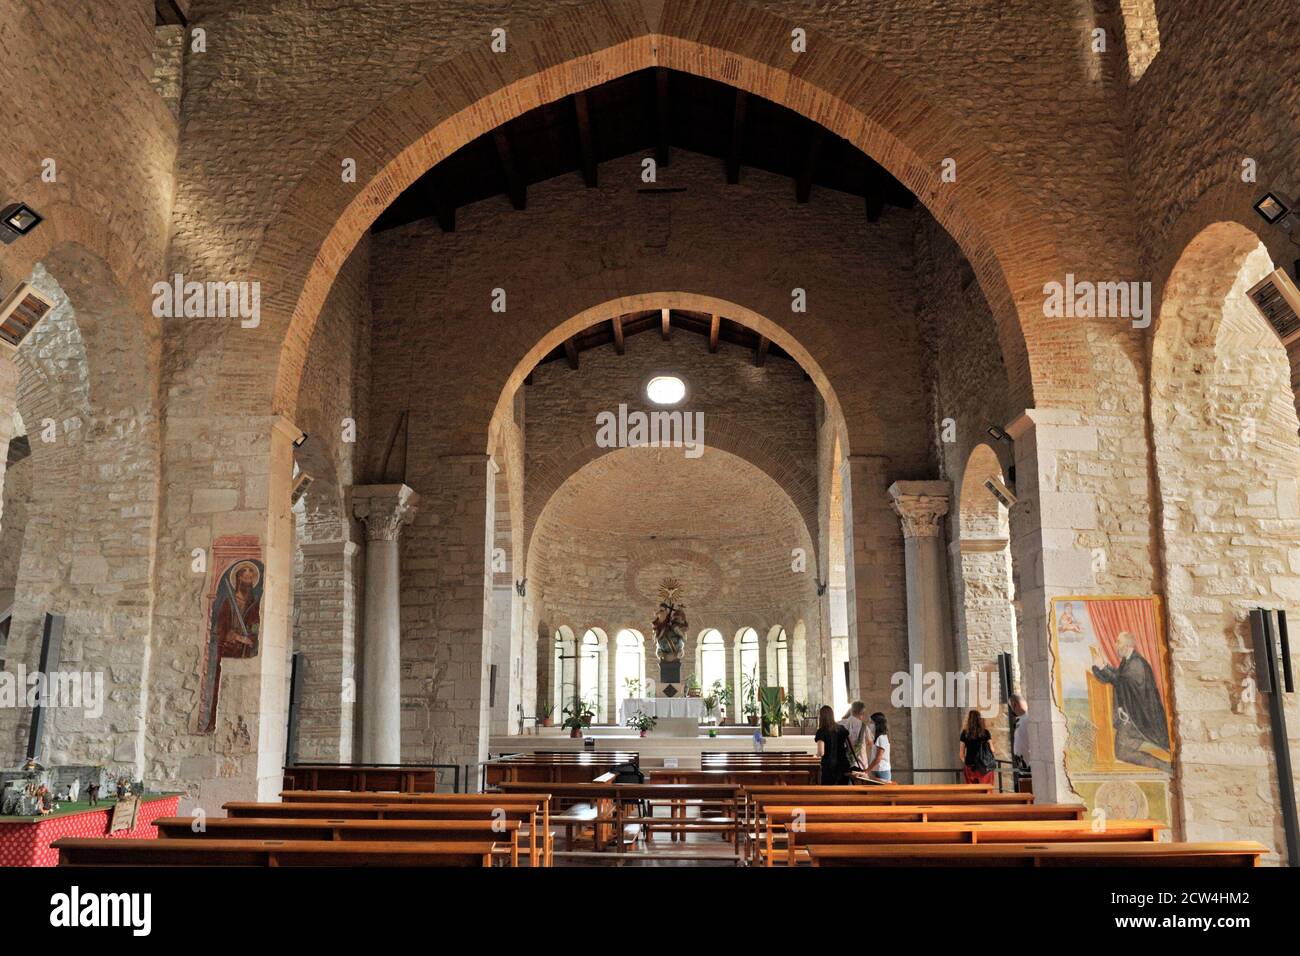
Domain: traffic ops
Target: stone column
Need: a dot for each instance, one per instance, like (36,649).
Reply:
(921,505)
(384,509)
(326,627)
(1050,531)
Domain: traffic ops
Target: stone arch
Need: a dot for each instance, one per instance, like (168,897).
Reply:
(981,581)
(1227,464)
(85,384)
(1011,250)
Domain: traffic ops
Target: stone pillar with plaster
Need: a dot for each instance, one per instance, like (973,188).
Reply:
(383,509)
(921,506)
(1050,528)
(326,637)
(874,594)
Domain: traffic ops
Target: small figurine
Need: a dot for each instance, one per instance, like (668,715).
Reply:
(123,787)
(74,790)
(92,793)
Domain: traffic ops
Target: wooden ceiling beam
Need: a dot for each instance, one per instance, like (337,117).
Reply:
(760,353)
(617,323)
(435,200)
(803,184)
(168,13)
(587,150)
(737,138)
(665,323)
(715,326)
(571,352)
(516,189)
(663,150)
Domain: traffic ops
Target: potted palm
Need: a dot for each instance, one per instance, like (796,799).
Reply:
(578,717)
(642,722)
(749,690)
(544,714)
(772,705)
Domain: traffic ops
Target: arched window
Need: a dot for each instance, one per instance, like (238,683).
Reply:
(780,673)
(747,674)
(712,663)
(591,665)
(564,672)
(629,665)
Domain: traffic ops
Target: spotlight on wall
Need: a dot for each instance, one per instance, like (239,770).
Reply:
(20,312)
(301,439)
(17,220)
(1274,207)
(300,486)
(1278,301)
(1001,492)
(999,434)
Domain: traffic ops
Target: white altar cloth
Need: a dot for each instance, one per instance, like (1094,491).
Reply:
(661,707)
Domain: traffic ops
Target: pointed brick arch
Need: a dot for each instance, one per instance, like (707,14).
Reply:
(1011,249)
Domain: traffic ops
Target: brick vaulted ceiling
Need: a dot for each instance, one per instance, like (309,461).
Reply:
(653,111)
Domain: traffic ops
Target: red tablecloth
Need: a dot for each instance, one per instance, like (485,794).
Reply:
(27,842)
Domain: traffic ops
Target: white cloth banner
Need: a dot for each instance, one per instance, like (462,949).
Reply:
(661,707)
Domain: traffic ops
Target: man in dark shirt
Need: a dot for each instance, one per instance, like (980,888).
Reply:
(1139,713)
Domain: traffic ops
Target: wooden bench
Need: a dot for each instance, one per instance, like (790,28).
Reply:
(611,801)
(822,833)
(901,795)
(404,778)
(381,831)
(553,768)
(104,851)
(532,810)
(1243,853)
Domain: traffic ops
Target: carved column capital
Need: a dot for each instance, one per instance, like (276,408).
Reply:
(383,509)
(920,505)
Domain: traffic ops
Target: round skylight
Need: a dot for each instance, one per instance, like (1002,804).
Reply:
(665,390)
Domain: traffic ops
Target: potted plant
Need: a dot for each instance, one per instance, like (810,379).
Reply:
(749,690)
(642,722)
(632,685)
(692,686)
(577,717)
(799,713)
(772,705)
(544,714)
(723,694)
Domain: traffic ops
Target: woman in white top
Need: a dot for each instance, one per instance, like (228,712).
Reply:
(879,766)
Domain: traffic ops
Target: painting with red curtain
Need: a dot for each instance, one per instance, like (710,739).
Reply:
(1112,684)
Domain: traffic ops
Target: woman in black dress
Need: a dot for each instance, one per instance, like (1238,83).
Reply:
(832,746)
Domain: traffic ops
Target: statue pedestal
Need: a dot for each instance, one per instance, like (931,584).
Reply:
(670,679)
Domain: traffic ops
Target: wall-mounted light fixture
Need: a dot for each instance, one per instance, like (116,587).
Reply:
(17,220)
(1273,208)
(999,434)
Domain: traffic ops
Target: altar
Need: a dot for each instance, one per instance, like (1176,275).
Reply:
(662,707)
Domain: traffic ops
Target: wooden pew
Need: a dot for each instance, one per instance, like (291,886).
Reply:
(553,768)
(532,810)
(616,797)
(758,797)
(104,851)
(742,776)
(1243,853)
(404,778)
(822,833)
(380,831)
